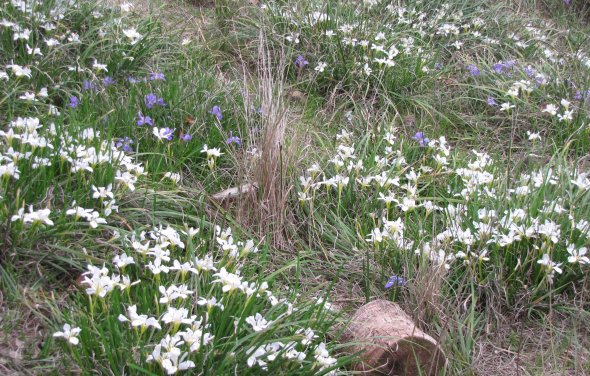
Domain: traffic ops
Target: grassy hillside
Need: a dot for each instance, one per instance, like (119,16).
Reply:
(213,187)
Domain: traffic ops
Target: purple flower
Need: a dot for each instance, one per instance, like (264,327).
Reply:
(124,143)
(89,85)
(422,140)
(567,2)
(132,80)
(300,62)
(107,81)
(157,76)
(233,139)
(438,66)
(168,133)
(143,120)
(151,100)
(74,101)
(217,112)
(529,71)
(186,137)
(473,70)
(492,102)
(394,281)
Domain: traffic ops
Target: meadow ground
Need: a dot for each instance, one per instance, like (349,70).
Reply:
(212,187)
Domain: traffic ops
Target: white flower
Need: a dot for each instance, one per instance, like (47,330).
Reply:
(103,192)
(174,177)
(258,322)
(577,255)
(177,316)
(550,266)
(533,136)
(121,261)
(551,109)
(133,35)
(320,67)
(230,281)
(99,67)
(506,106)
(70,334)
(139,320)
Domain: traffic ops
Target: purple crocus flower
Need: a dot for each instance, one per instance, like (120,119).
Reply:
(395,281)
(74,101)
(473,70)
(143,120)
(157,76)
(186,137)
(107,81)
(492,101)
(233,139)
(217,112)
(300,62)
(422,140)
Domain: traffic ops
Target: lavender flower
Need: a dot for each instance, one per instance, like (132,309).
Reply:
(107,81)
(233,139)
(142,120)
(157,76)
(89,85)
(132,80)
(151,100)
(167,133)
(217,112)
(492,101)
(394,281)
(186,137)
(124,144)
(422,140)
(300,62)
(74,101)
(473,70)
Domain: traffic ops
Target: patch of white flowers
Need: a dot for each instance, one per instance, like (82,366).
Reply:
(394,185)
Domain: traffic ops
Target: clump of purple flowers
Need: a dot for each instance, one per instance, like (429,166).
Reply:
(395,281)
(157,76)
(151,100)
(473,70)
(300,62)
(422,140)
(89,85)
(503,67)
(233,139)
(107,81)
(124,144)
(217,112)
(143,120)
